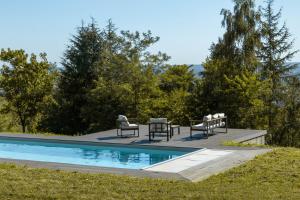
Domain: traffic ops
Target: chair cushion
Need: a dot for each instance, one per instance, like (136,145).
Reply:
(221,114)
(204,127)
(215,116)
(207,117)
(199,127)
(131,126)
(158,124)
(124,121)
(158,120)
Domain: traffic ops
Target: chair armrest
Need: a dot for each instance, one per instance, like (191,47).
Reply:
(166,123)
(194,121)
(134,120)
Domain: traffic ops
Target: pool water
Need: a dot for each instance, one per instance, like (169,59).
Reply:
(91,155)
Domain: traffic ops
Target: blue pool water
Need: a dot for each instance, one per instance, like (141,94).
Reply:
(104,156)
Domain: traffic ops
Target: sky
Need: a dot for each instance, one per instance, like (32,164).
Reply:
(186,28)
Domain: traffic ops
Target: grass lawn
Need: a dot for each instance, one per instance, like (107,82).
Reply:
(275,175)
(237,144)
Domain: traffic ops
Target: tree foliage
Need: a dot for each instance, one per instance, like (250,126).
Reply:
(233,56)
(249,91)
(286,132)
(275,53)
(105,73)
(27,85)
(77,78)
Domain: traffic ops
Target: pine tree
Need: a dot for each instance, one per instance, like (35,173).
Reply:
(275,52)
(78,76)
(286,132)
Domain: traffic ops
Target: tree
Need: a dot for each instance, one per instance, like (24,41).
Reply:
(286,132)
(177,77)
(27,84)
(249,91)
(127,78)
(232,56)
(241,39)
(275,52)
(176,83)
(78,75)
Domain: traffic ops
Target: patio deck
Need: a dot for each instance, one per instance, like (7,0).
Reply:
(182,140)
(213,158)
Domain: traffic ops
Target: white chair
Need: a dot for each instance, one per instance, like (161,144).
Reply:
(209,124)
(124,125)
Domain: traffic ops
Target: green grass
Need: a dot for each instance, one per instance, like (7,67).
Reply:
(38,134)
(275,175)
(238,144)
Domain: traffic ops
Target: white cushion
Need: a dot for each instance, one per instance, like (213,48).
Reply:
(215,116)
(158,120)
(221,114)
(202,126)
(207,117)
(124,121)
(199,127)
(131,126)
(122,117)
(161,125)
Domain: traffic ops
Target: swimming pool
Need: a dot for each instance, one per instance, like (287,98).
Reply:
(90,155)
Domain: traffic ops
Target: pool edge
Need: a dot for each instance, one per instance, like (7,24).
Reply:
(100,143)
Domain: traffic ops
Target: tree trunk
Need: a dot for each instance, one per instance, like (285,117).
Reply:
(23,128)
(23,123)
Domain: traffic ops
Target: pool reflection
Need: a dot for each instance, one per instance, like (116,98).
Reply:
(125,157)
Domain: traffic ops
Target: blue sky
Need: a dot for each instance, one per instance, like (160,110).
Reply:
(186,27)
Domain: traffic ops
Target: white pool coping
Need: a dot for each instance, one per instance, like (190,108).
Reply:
(187,161)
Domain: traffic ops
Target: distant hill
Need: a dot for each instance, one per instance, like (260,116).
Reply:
(197,68)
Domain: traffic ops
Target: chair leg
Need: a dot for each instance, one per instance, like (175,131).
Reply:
(191,136)
(168,135)
(149,133)
(178,130)
(226,124)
